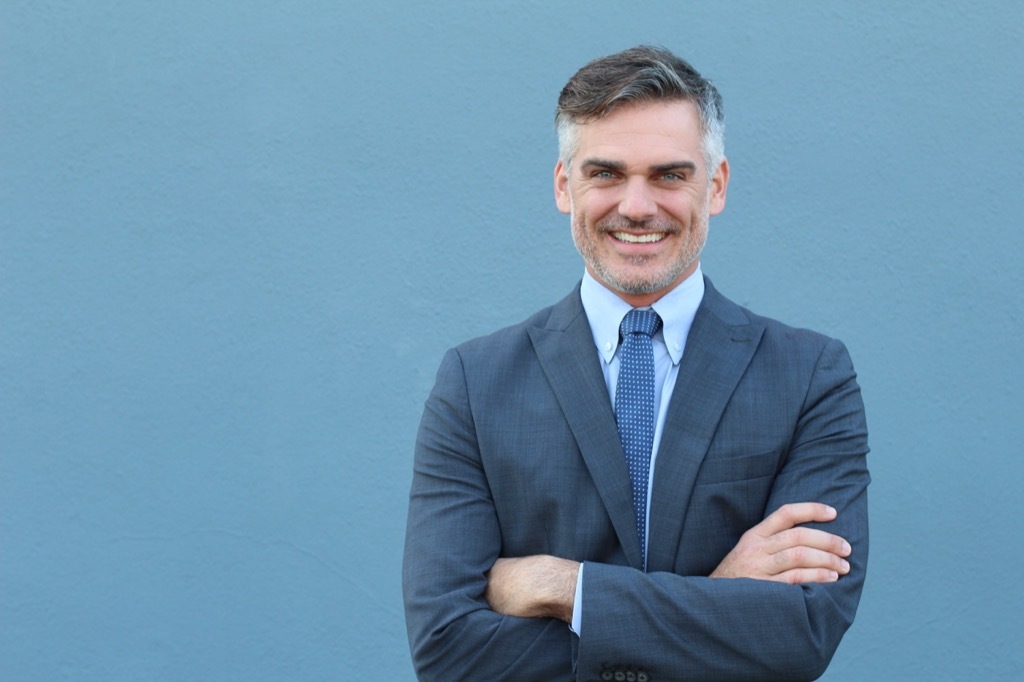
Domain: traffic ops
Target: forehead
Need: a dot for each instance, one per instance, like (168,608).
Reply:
(648,132)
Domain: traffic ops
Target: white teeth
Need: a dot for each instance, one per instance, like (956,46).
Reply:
(638,238)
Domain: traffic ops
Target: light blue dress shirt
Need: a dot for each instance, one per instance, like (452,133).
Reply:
(605,311)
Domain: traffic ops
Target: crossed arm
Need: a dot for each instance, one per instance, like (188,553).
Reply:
(777,549)
(775,607)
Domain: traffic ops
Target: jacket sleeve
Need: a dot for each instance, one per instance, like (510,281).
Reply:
(677,627)
(452,540)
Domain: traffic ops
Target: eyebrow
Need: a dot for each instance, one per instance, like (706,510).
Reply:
(618,166)
(604,163)
(675,165)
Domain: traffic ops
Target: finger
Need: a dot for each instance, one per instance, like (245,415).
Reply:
(789,515)
(808,537)
(798,558)
(806,575)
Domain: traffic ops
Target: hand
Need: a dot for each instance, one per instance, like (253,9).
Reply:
(533,587)
(776,549)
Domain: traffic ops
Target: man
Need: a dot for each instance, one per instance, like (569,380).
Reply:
(644,481)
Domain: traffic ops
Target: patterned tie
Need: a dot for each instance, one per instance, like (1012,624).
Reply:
(634,407)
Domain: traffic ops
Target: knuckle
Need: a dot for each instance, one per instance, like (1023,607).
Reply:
(799,535)
(751,539)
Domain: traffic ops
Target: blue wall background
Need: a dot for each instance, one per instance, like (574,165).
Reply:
(235,239)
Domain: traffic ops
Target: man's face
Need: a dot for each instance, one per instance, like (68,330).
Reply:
(639,198)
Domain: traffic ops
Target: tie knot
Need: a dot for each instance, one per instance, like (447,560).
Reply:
(640,321)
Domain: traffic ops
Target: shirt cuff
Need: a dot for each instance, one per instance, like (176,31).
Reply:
(577,604)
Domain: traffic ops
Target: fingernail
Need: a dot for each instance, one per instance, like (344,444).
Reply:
(846,547)
(835,576)
(846,566)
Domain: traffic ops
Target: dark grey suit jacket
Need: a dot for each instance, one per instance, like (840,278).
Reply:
(518,454)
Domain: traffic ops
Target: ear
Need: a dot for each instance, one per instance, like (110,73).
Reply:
(562,199)
(719,184)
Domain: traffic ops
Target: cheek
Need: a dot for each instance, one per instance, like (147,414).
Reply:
(687,212)
(594,204)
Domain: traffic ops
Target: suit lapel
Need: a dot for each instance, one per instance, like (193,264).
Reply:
(719,347)
(565,349)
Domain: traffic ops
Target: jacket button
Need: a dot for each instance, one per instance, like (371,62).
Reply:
(631,676)
(642,677)
(607,675)
(620,676)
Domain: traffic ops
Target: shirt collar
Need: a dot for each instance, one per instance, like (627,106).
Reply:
(677,309)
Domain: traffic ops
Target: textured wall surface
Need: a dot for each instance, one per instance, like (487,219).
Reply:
(235,239)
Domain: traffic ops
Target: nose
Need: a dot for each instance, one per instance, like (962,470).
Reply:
(637,202)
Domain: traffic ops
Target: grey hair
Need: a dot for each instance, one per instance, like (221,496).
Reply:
(639,74)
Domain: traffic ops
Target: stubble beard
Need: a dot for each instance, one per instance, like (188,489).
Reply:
(643,277)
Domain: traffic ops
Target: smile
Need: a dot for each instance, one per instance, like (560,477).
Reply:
(649,238)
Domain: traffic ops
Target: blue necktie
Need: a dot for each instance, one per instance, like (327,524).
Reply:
(634,407)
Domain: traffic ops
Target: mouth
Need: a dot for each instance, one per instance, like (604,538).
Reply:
(647,238)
